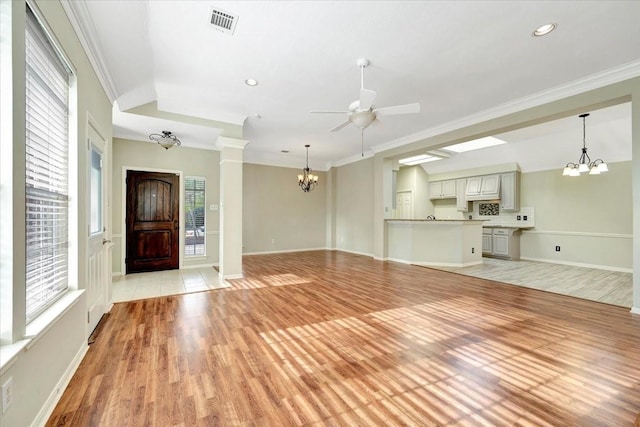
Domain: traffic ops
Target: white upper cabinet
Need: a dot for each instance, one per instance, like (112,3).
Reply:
(483,187)
(461,195)
(442,189)
(510,191)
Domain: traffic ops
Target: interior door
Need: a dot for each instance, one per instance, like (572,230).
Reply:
(98,269)
(152,221)
(404,205)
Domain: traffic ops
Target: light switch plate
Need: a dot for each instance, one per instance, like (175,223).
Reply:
(213,207)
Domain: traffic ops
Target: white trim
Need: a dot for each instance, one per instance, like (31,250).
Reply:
(579,233)
(230,161)
(353,252)
(284,251)
(47,409)
(116,274)
(635,310)
(116,236)
(229,277)
(226,142)
(80,20)
(353,159)
(579,264)
(594,81)
(212,233)
(189,267)
(436,264)
(282,161)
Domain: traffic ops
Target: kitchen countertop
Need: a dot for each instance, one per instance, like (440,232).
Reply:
(466,221)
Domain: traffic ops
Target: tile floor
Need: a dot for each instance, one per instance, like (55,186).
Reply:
(161,283)
(610,287)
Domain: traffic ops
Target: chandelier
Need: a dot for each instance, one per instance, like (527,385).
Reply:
(584,162)
(166,140)
(307,181)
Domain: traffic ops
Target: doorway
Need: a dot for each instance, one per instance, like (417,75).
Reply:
(404,205)
(152,221)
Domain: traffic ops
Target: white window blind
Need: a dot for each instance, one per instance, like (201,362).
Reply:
(194,208)
(47,170)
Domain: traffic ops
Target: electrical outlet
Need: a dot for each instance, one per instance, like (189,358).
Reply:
(473,250)
(519,217)
(273,241)
(7,394)
(524,217)
(557,248)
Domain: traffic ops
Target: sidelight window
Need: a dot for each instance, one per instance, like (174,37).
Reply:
(194,208)
(47,170)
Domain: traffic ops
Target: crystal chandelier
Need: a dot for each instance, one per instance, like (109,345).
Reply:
(307,181)
(584,163)
(166,140)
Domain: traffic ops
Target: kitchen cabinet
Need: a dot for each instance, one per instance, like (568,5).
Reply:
(462,204)
(510,191)
(442,189)
(487,238)
(485,187)
(501,242)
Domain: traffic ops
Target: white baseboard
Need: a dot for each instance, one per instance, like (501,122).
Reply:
(189,267)
(635,310)
(579,264)
(53,399)
(116,274)
(436,264)
(284,251)
(230,277)
(353,252)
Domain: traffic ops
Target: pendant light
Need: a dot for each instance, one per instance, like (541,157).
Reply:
(584,162)
(307,181)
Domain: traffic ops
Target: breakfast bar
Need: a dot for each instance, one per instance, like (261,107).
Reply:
(447,243)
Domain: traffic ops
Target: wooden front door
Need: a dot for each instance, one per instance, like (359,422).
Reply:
(152,221)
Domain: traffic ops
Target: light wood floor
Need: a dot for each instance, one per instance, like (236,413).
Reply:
(610,287)
(329,338)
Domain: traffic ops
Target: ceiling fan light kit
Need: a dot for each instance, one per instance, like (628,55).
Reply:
(585,164)
(362,113)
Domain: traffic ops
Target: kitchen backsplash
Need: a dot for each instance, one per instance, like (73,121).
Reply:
(489,209)
(526,216)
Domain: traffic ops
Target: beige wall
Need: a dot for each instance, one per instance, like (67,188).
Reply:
(277,214)
(589,217)
(148,156)
(354,207)
(41,371)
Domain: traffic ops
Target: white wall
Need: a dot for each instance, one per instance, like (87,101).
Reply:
(354,207)
(149,156)
(277,214)
(416,180)
(40,370)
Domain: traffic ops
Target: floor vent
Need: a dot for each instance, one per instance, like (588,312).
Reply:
(223,21)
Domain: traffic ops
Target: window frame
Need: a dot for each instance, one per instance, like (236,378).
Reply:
(186,210)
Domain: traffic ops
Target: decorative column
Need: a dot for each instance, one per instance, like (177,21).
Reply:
(635,189)
(230,254)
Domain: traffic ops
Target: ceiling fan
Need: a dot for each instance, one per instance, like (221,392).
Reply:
(362,112)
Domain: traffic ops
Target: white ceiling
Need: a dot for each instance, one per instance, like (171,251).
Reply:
(456,58)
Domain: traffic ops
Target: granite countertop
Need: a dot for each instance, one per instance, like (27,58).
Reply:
(470,221)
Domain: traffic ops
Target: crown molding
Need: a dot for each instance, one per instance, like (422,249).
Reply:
(81,21)
(353,159)
(282,161)
(576,87)
(226,142)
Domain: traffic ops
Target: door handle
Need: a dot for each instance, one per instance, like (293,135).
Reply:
(105,241)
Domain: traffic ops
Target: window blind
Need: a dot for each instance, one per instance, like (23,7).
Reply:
(194,207)
(47,171)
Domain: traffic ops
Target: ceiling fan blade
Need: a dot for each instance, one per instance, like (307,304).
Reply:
(329,112)
(398,109)
(366,98)
(340,126)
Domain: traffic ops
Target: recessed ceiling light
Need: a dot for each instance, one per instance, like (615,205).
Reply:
(416,160)
(251,82)
(284,151)
(544,30)
(476,144)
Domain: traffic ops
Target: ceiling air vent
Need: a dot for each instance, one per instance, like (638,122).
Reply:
(223,21)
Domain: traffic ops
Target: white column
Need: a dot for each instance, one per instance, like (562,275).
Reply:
(635,188)
(230,261)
